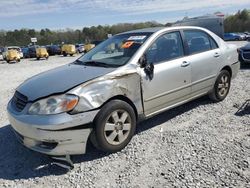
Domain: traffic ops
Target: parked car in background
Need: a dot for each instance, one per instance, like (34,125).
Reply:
(54,50)
(244,54)
(32,51)
(231,37)
(68,49)
(18,49)
(243,36)
(102,95)
(1,53)
(1,49)
(13,56)
(41,52)
(25,51)
(79,48)
(247,35)
(1,56)
(88,47)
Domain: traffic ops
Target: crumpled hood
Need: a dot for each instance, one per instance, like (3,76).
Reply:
(59,80)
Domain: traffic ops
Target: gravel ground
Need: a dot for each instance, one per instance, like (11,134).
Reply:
(199,144)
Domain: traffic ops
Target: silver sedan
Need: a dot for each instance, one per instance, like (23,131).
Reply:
(126,79)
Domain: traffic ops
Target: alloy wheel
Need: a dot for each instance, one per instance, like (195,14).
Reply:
(223,85)
(117,127)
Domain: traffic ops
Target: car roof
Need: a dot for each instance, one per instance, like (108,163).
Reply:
(156,29)
(146,30)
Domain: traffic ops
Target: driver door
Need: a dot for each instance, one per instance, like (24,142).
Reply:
(170,82)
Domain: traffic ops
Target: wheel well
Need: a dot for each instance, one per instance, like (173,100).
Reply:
(228,69)
(125,99)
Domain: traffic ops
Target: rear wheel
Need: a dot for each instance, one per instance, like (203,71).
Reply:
(38,58)
(114,126)
(221,86)
(64,54)
(71,55)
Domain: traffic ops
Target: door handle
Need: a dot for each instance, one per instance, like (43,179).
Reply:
(216,54)
(185,64)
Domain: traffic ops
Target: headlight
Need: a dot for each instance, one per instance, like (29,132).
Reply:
(54,105)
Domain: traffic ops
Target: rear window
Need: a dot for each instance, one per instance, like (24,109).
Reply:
(199,41)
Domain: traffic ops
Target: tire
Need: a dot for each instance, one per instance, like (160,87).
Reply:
(64,54)
(114,126)
(71,55)
(38,58)
(221,87)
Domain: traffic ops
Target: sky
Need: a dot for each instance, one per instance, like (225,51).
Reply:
(76,14)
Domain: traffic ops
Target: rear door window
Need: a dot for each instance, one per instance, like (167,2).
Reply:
(199,41)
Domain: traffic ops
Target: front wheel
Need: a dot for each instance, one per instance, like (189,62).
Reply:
(114,126)
(221,86)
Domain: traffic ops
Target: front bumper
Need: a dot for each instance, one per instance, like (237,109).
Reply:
(13,58)
(60,134)
(42,55)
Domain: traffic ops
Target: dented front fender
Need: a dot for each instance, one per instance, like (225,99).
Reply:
(93,94)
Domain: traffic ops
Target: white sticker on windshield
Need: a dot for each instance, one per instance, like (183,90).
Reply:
(137,37)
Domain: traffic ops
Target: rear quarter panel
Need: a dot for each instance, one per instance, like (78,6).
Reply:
(229,55)
(231,58)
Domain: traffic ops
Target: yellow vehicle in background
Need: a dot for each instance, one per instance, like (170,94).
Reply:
(13,56)
(88,47)
(41,52)
(68,49)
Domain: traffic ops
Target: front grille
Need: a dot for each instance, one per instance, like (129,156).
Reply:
(19,101)
(246,55)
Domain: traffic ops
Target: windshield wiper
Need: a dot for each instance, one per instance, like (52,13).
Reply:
(98,64)
(78,62)
(94,63)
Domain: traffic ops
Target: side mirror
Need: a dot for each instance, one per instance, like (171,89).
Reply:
(143,61)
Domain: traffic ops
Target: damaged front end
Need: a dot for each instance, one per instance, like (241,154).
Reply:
(123,84)
(56,135)
(67,133)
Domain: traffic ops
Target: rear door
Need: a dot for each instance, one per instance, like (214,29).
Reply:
(171,79)
(204,58)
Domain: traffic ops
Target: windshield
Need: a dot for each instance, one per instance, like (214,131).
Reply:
(115,51)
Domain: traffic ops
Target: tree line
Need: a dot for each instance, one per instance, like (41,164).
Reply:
(86,35)
(240,22)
